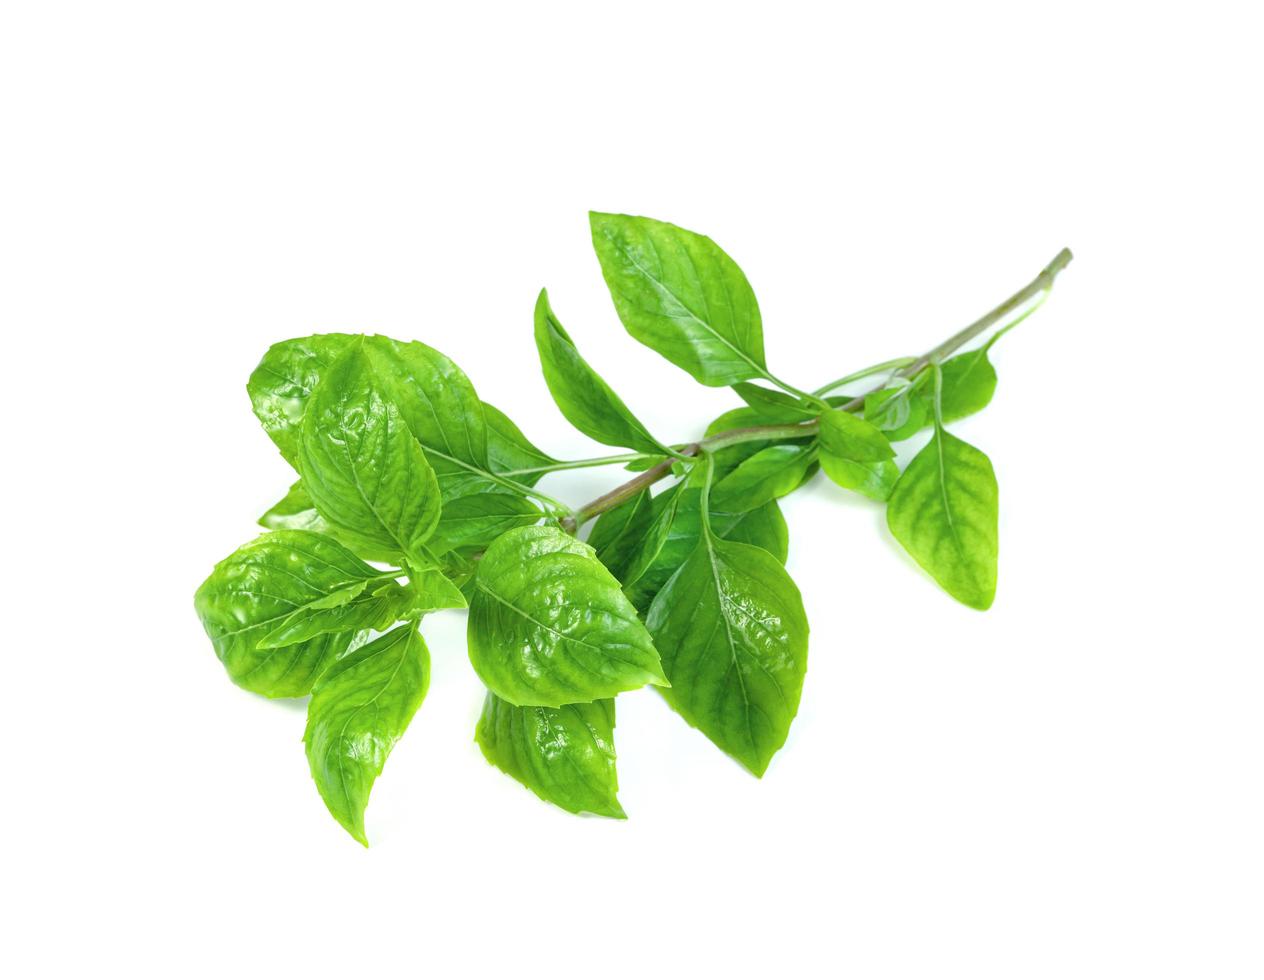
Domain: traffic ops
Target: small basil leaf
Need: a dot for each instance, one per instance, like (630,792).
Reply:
(430,589)
(564,755)
(363,469)
(509,450)
(873,480)
(586,401)
(257,588)
(294,511)
(377,610)
(944,511)
(768,474)
(899,413)
(679,294)
(617,534)
(969,381)
(359,709)
(856,455)
(286,377)
(775,407)
(662,516)
(734,638)
(477,520)
(764,527)
(549,626)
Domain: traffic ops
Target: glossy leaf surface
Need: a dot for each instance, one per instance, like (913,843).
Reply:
(477,520)
(584,398)
(548,624)
(944,512)
(359,709)
(509,450)
(768,474)
(256,589)
(678,293)
(617,535)
(286,377)
(734,639)
(564,755)
(856,455)
(361,465)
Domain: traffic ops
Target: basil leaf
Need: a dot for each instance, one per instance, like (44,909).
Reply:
(898,412)
(653,538)
(257,588)
(428,590)
(508,449)
(943,511)
(286,377)
(294,511)
(477,520)
(969,381)
(768,474)
(564,755)
(775,407)
(856,455)
(549,626)
(734,638)
(586,401)
(377,610)
(764,527)
(678,293)
(360,464)
(617,535)
(359,709)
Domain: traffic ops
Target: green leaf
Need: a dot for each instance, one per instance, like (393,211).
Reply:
(286,377)
(856,455)
(586,401)
(549,626)
(359,709)
(477,520)
(969,381)
(430,589)
(768,474)
(294,511)
(508,449)
(564,755)
(261,585)
(617,535)
(678,293)
(363,469)
(734,640)
(944,511)
(775,407)
(364,610)
(662,514)
(898,412)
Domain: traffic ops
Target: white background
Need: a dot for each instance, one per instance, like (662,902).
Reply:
(1067,785)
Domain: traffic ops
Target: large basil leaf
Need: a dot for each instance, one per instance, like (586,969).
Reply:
(856,455)
(359,709)
(734,641)
(509,450)
(286,377)
(678,293)
(260,586)
(361,465)
(564,755)
(768,474)
(618,534)
(549,626)
(477,520)
(584,398)
(944,511)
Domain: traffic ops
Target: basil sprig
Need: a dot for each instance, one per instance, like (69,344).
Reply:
(414,495)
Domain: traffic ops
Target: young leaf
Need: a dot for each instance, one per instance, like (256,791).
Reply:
(430,589)
(508,449)
(477,520)
(375,610)
(898,412)
(286,377)
(294,511)
(944,511)
(662,514)
(617,535)
(549,626)
(775,407)
(969,381)
(261,585)
(359,709)
(856,455)
(734,641)
(767,475)
(363,469)
(678,293)
(586,401)
(564,755)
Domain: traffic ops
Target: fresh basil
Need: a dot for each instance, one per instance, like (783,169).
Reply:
(359,709)
(549,625)
(618,536)
(770,473)
(856,455)
(564,755)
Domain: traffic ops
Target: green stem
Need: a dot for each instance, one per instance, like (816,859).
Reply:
(892,365)
(706,497)
(578,464)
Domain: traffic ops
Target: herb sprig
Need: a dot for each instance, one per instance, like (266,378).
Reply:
(402,465)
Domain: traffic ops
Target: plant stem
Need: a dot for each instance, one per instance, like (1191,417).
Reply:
(607,501)
(577,464)
(891,365)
